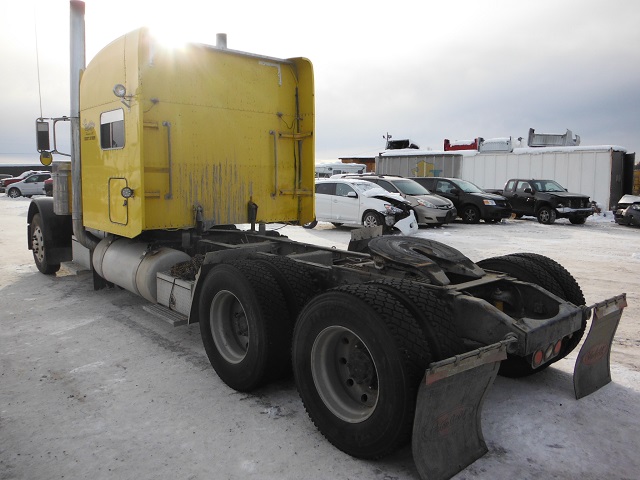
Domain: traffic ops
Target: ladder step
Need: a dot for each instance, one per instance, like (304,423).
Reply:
(174,318)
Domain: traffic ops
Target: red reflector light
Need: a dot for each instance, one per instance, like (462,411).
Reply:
(537,358)
(557,347)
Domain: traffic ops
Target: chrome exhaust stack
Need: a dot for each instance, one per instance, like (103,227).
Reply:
(77,66)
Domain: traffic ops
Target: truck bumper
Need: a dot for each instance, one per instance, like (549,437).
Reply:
(434,216)
(407,225)
(565,212)
(495,213)
(448,217)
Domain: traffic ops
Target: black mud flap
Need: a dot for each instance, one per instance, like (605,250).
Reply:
(447,432)
(592,370)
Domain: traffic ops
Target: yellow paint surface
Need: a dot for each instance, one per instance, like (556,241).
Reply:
(205,130)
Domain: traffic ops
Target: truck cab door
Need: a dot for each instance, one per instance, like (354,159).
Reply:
(523,200)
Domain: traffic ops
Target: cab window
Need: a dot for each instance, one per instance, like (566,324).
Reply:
(112,129)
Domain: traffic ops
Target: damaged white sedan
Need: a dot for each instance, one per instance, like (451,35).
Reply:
(359,202)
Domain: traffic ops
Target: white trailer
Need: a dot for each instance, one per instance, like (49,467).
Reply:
(420,163)
(325,170)
(605,173)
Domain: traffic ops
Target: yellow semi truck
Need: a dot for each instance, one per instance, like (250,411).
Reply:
(398,341)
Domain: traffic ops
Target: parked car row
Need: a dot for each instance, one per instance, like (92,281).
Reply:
(438,205)
(31,182)
(346,198)
(429,209)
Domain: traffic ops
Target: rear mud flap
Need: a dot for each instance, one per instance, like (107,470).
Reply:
(447,433)
(592,370)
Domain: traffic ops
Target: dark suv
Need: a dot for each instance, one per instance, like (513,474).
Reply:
(472,203)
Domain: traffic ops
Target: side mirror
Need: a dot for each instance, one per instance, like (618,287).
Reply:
(454,191)
(352,194)
(42,136)
(43,139)
(528,190)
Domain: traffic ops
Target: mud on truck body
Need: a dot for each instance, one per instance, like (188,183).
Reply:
(395,342)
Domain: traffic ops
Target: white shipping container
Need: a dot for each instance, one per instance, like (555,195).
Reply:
(416,163)
(600,172)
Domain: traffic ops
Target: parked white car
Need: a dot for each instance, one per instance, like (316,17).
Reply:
(354,201)
(32,185)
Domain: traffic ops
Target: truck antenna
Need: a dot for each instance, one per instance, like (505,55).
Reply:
(35,31)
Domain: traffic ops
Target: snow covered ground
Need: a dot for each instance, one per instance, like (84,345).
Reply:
(92,386)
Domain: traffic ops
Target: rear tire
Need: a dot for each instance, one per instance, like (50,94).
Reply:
(571,292)
(244,324)
(39,248)
(470,214)
(358,359)
(297,283)
(526,270)
(432,313)
(577,220)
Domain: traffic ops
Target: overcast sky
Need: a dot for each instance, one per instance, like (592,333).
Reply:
(427,71)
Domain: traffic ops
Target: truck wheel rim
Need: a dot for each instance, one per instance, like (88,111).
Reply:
(37,244)
(229,326)
(344,374)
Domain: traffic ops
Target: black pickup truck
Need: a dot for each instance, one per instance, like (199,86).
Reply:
(546,200)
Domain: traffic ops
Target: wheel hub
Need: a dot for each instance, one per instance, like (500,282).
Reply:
(229,326)
(344,374)
(360,366)
(37,244)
